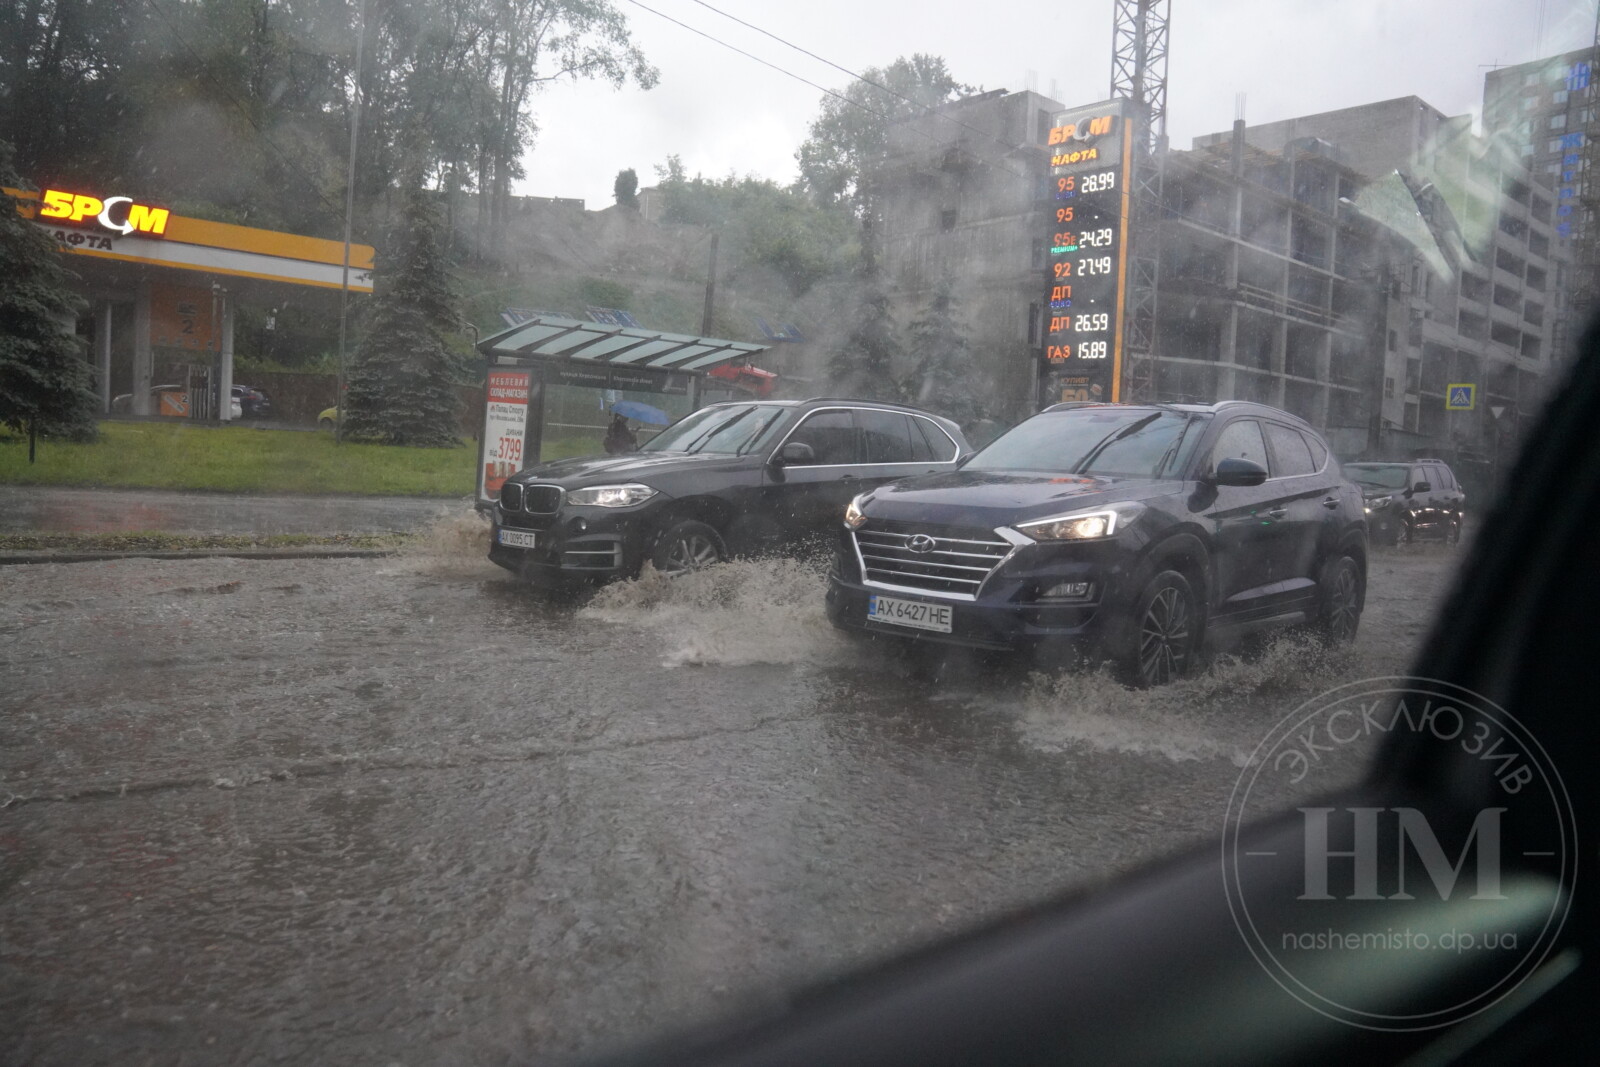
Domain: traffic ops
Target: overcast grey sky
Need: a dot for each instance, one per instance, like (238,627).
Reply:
(722,112)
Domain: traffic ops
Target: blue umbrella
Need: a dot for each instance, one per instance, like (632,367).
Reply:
(632,409)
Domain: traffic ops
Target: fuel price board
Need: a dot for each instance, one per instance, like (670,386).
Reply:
(1086,216)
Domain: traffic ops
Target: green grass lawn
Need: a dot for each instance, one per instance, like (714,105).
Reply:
(153,455)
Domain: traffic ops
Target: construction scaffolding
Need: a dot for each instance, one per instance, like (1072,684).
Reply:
(1139,76)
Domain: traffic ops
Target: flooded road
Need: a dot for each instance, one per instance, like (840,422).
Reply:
(402,811)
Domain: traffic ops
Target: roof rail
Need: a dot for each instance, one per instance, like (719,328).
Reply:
(849,400)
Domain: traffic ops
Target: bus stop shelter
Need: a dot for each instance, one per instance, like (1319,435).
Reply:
(552,384)
(162,291)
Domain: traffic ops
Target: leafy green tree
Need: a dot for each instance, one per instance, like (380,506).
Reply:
(863,362)
(762,222)
(944,378)
(626,189)
(851,135)
(401,388)
(240,109)
(44,381)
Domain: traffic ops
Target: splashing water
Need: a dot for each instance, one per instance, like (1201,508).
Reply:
(1218,714)
(455,544)
(734,614)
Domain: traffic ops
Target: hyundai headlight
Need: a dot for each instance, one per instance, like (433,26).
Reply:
(611,496)
(1083,525)
(853,517)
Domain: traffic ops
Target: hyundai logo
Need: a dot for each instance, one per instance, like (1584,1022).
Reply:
(920,543)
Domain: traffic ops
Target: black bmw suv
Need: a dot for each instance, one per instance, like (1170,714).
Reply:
(730,477)
(1138,530)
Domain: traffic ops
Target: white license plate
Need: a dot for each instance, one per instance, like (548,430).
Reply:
(519,538)
(913,613)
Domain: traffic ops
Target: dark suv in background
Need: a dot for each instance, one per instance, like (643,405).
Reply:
(729,478)
(1137,530)
(1410,499)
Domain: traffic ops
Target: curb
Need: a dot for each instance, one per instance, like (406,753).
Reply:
(47,555)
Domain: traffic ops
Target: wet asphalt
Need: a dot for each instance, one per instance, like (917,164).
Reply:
(404,811)
(59,510)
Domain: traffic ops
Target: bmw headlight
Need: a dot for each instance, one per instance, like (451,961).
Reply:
(852,514)
(611,496)
(1083,525)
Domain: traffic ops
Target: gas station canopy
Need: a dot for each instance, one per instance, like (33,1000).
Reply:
(552,337)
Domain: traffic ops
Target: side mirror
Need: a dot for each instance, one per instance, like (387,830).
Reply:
(794,452)
(961,461)
(1242,472)
(1422,487)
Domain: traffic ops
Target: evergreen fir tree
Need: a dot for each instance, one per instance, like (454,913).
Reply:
(45,384)
(863,364)
(945,379)
(401,383)
(626,189)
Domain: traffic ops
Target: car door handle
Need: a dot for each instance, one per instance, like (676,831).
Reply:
(847,477)
(1331,503)
(1278,513)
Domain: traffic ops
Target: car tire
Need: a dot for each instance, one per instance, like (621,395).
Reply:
(689,545)
(1160,641)
(1339,599)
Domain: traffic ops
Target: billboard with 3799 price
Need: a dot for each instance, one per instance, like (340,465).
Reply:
(505,428)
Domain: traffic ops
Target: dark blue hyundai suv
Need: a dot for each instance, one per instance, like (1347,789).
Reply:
(1138,530)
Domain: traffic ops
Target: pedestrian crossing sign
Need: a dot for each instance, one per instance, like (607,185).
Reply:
(1460,396)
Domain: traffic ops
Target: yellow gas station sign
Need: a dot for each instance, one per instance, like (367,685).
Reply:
(116,213)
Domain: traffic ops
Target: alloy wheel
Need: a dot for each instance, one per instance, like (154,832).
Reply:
(691,552)
(1343,602)
(1164,637)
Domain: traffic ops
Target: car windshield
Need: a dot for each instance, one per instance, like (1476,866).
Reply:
(1131,442)
(729,429)
(1377,475)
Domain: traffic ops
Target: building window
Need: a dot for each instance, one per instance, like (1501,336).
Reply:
(1394,340)
(1388,384)
(1559,96)
(947,220)
(1558,122)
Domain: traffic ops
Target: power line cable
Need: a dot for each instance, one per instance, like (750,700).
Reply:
(858,77)
(1002,168)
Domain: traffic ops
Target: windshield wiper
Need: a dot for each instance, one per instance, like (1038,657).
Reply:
(1161,464)
(693,446)
(753,438)
(1111,439)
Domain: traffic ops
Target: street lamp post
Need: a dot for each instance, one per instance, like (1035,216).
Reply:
(349,214)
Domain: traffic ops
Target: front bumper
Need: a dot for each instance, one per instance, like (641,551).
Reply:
(1008,613)
(573,545)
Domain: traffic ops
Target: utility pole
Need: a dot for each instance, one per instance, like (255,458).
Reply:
(349,214)
(711,290)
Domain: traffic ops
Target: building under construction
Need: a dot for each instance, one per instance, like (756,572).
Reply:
(1348,267)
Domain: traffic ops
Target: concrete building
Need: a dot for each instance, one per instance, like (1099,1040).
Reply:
(1535,106)
(1543,112)
(960,195)
(1447,229)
